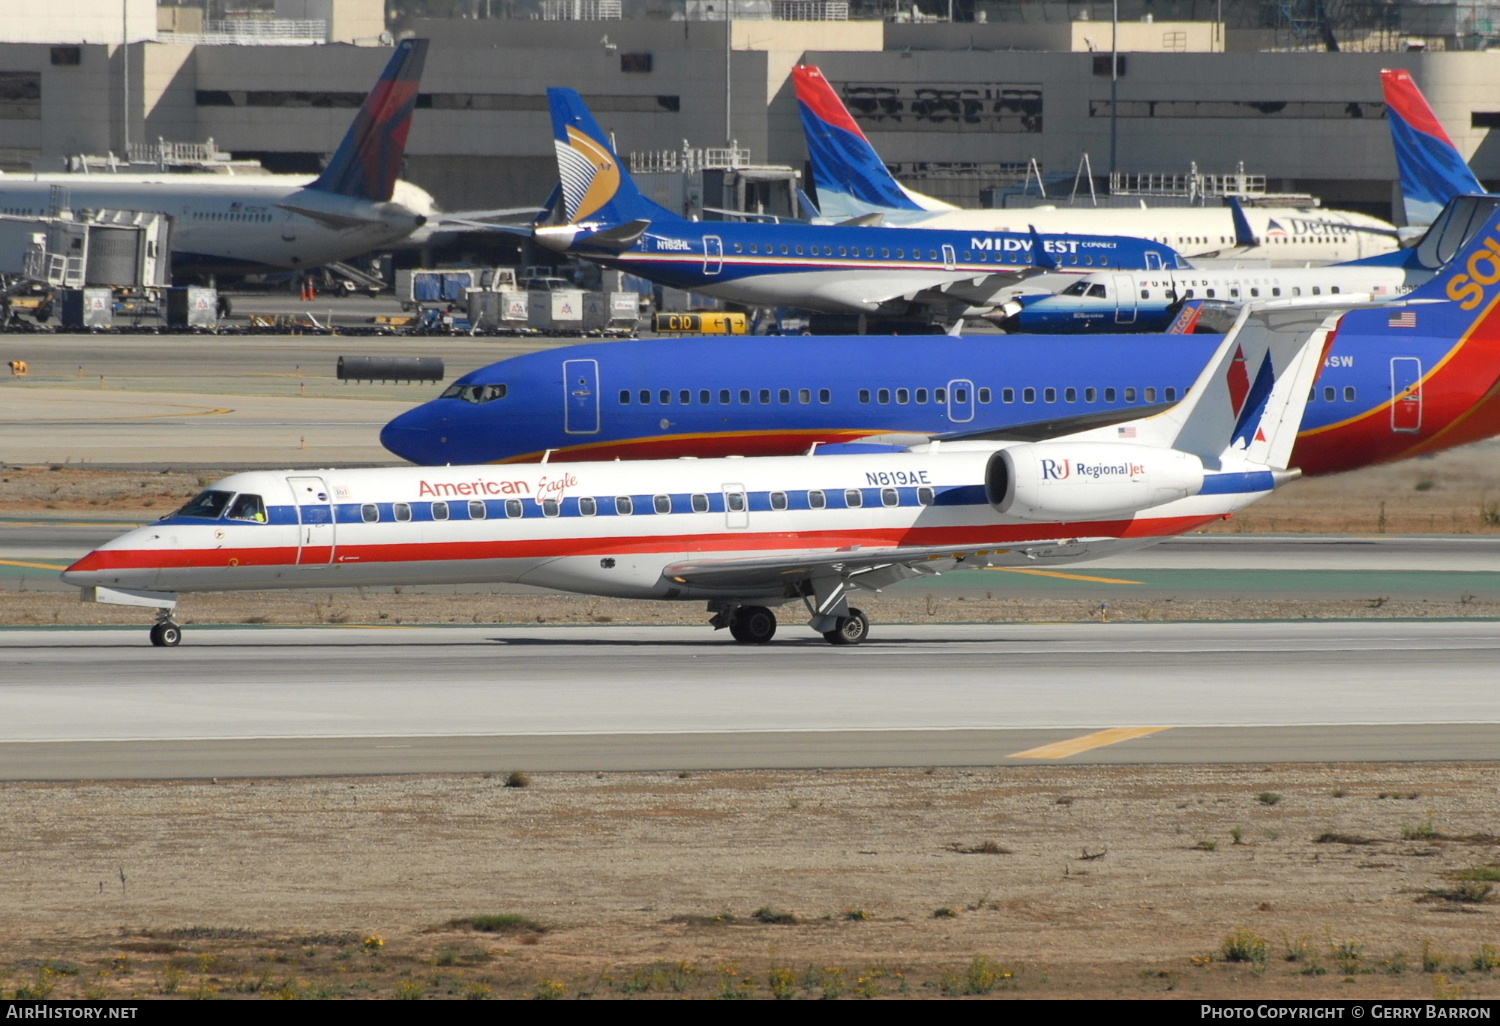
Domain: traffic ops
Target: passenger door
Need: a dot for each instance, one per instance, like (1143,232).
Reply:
(316,528)
(581,397)
(736,507)
(1124,287)
(1406,394)
(713,254)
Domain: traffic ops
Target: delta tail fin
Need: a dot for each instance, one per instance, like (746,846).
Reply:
(848,173)
(368,161)
(1432,170)
(596,188)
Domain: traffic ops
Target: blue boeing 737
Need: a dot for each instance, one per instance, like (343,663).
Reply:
(1398,381)
(826,268)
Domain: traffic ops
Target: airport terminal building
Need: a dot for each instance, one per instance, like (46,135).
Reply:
(956,106)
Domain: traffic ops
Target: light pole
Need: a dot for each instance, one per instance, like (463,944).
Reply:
(1114,85)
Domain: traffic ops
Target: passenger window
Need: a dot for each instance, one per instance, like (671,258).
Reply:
(700,503)
(1334,289)
(825,396)
(1109,395)
(784,396)
(1209,293)
(984,395)
(1348,393)
(1317,290)
(1090,395)
(723,397)
(778,500)
(734,501)
(883,396)
(921,396)
(1171,395)
(903,396)
(816,500)
(1049,395)
(1007,395)
(623,504)
(250,508)
(550,508)
(477,510)
(744,397)
(514,509)
(1296,290)
(588,506)
(662,503)
(804,395)
(960,395)
(1070,395)
(765,396)
(1330,394)
(864,395)
(853,498)
(685,397)
(705,397)
(925,496)
(370,512)
(1276,291)
(1254,293)
(1145,293)
(1130,395)
(1028,395)
(440,511)
(940,395)
(645,397)
(1150,395)
(888,497)
(624,397)
(402,511)
(664,397)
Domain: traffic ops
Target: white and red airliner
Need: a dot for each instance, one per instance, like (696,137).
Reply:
(746,535)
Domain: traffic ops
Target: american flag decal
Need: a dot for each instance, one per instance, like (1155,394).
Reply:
(1404,319)
(1127,432)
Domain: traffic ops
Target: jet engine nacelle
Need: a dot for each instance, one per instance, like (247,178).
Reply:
(1088,480)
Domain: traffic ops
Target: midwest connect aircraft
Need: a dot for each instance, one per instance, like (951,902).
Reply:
(1396,384)
(257,223)
(826,268)
(852,181)
(745,535)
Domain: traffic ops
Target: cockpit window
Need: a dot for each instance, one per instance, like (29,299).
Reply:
(1078,288)
(247,507)
(476,394)
(209,505)
(1097,291)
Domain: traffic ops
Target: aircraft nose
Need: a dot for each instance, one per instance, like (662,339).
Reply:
(416,437)
(86,572)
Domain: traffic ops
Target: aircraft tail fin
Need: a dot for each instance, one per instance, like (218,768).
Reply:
(368,161)
(595,185)
(1464,242)
(1247,404)
(849,175)
(1432,170)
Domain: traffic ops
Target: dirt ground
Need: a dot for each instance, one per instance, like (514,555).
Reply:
(1317,881)
(1327,881)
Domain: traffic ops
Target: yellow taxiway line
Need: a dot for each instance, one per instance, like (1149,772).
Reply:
(1098,739)
(1057,573)
(36,566)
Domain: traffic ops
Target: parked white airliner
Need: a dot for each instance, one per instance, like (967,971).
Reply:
(253,223)
(746,534)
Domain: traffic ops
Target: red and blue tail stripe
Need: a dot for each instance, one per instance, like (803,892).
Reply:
(368,161)
(1432,170)
(843,160)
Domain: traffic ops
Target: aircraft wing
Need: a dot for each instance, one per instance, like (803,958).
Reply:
(926,286)
(871,569)
(328,219)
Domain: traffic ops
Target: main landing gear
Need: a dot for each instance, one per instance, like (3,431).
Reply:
(756,625)
(165,633)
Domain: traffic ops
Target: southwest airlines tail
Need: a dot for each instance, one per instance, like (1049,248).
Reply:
(850,178)
(1432,171)
(368,161)
(595,187)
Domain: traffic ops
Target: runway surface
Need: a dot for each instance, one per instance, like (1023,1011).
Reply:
(102,703)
